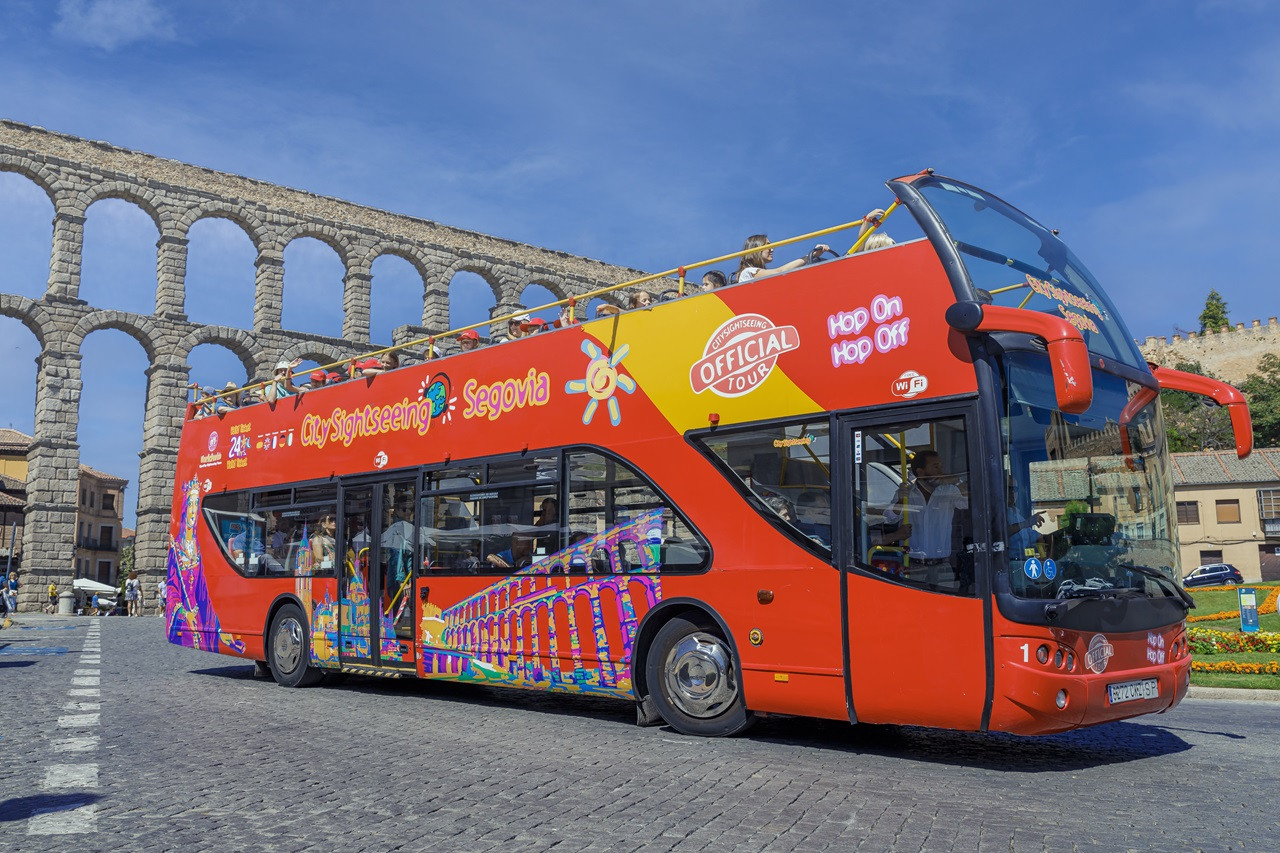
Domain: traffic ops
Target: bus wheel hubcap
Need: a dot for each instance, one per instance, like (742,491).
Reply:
(699,675)
(288,645)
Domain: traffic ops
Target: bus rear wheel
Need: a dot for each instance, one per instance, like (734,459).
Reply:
(693,679)
(288,649)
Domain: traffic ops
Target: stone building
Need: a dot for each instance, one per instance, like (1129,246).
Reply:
(99,514)
(75,173)
(1229,510)
(99,525)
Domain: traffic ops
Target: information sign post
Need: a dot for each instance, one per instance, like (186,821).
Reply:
(1248,610)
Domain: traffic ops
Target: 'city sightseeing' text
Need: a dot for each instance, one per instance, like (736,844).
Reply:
(346,426)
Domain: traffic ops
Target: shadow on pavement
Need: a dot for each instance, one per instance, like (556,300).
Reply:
(1112,743)
(12,664)
(21,808)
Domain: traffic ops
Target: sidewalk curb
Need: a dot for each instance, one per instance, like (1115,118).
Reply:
(1235,694)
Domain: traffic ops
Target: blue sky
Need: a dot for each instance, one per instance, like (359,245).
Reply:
(645,134)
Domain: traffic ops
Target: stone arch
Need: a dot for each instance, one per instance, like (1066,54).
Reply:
(141,328)
(240,342)
(254,227)
(30,313)
(483,269)
(320,353)
(160,212)
(326,234)
(40,174)
(397,298)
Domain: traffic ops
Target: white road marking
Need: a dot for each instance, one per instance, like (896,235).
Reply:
(84,691)
(86,681)
(70,776)
(82,706)
(76,744)
(77,721)
(66,820)
(87,672)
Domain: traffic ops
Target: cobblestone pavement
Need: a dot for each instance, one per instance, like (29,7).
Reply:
(189,751)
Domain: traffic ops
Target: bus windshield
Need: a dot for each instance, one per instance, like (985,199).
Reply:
(1017,262)
(1089,506)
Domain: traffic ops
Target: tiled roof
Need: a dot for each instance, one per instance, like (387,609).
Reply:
(109,479)
(1221,467)
(11,484)
(11,502)
(11,440)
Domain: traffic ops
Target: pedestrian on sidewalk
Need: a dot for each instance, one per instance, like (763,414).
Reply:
(162,596)
(133,594)
(11,592)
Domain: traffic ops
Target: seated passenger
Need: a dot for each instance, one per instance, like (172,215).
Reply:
(533,325)
(565,319)
(388,361)
(755,265)
(711,279)
(319,379)
(813,509)
(782,507)
(205,404)
(250,541)
(281,384)
(639,299)
(324,544)
(469,340)
(518,556)
(878,240)
(228,402)
(515,326)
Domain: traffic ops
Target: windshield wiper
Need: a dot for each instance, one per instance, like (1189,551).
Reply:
(1188,602)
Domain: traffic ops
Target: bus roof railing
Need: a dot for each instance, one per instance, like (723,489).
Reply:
(571,301)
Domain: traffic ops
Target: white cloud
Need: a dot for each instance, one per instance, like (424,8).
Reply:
(109,24)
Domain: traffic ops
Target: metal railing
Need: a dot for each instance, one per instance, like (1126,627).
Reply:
(679,272)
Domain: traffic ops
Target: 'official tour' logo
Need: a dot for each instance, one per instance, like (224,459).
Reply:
(1099,653)
(740,355)
(213,441)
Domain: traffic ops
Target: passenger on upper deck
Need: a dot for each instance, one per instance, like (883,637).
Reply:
(755,265)
(469,340)
(640,299)
(533,325)
(388,361)
(281,384)
(878,240)
(711,279)
(514,326)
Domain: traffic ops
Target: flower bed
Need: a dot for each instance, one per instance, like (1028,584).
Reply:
(1267,606)
(1272,668)
(1206,641)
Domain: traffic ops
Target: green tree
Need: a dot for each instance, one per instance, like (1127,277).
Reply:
(1189,424)
(1214,315)
(1262,389)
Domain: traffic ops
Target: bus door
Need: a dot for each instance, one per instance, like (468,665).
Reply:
(380,537)
(916,639)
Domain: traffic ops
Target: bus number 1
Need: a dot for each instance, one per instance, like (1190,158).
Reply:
(1026,652)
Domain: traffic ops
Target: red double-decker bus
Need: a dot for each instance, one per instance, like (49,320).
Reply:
(926,484)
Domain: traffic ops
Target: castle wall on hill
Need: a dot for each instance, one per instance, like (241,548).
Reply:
(1230,353)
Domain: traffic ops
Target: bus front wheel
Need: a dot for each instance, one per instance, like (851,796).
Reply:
(693,679)
(289,649)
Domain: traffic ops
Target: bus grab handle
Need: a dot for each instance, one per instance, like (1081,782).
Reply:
(1220,392)
(1068,355)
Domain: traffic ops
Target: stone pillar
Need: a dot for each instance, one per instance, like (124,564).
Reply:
(171,275)
(65,262)
(268,294)
(53,480)
(161,429)
(355,305)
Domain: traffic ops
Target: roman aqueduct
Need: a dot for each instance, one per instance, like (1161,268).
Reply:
(75,173)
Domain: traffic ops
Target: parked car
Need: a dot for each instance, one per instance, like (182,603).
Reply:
(1214,574)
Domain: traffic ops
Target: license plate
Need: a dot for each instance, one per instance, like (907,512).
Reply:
(1129,691)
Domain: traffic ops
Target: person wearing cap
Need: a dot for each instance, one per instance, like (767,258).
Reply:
(319,379)
(205,399)
(469,340)
(607,310)
(515,326)
(533,326)
(281,384)
(227,403)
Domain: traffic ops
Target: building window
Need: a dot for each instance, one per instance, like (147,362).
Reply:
(1209,557)
(109,502)
(1188,512)
(104,539)
(1228,512)
(84,498)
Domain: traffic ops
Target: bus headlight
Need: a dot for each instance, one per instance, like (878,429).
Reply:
(1061,700)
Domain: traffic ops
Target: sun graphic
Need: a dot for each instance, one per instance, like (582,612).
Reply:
(601,381)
